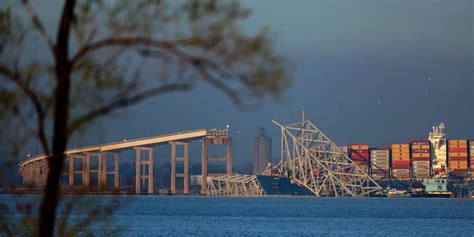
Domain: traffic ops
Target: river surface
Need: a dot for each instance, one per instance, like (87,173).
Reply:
(276,216)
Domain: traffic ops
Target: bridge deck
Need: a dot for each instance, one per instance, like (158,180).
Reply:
(126,144)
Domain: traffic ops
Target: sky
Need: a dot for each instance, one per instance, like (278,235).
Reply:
(376,72)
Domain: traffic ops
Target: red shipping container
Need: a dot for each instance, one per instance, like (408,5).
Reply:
(360,152)
(401,163)
(420,159)
(359,158)
(358,144)
(457,150)
(419,142)
(458,159)
(401,167)
(398,166)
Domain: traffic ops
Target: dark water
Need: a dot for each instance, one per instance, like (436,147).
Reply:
(286,216)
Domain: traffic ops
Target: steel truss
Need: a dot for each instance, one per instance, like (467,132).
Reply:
(312,160)
(234,185)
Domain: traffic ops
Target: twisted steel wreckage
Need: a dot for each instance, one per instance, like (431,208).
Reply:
(310,164)
(310,160)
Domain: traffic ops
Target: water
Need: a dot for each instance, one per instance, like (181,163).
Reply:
(285,216)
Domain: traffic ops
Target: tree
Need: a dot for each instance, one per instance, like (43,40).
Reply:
(107,55)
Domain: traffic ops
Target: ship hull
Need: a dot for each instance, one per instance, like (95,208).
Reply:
(277,185)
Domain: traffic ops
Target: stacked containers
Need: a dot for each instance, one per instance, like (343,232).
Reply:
(471,152)
(380,162)
(359,153)
(457,156)
(421,157)
(400,160)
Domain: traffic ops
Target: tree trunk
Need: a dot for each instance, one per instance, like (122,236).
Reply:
(61,113)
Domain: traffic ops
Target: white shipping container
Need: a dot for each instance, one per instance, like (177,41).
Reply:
(421,170)
(380,160)
(421,164)
(400,170)
(379,152)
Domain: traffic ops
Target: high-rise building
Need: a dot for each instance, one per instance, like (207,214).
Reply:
(262,151)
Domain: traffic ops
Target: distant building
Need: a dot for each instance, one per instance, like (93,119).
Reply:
(262,151)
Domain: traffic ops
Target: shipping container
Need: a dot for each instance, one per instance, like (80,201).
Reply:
(420,155)
(401,173)
(458,158)
(420,150)
(451,141)
(400,146)
(400,166)
(400,150)
(457,150)
(421,162)
(421,147)
(400,158)
(419,142)
(458,154)
(464,163)
(457,146)
(372,159)
(359,147)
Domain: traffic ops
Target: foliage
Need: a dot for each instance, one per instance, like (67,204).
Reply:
(112,54)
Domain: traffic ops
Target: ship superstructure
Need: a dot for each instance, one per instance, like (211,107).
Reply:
(437,138)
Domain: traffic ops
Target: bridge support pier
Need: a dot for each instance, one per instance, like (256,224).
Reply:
(71,170)
(116,171)
(185,160)
(205,158)
(141,174)
(71,158)
(102,171)
(86,181)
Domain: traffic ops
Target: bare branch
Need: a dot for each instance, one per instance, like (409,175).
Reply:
(205,67)
(38,24)
(33,97)
(127,42)
(126,101)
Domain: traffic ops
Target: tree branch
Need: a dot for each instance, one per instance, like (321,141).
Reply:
(33,97)
(127,101)
(128,42)
(204,67)
(38,24)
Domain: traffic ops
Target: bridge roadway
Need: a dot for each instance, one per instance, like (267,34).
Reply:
(34,170)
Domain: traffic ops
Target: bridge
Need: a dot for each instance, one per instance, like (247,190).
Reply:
(308,158)
(34,170)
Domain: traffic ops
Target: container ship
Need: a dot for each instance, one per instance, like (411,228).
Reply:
(433,167)
(436,167)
